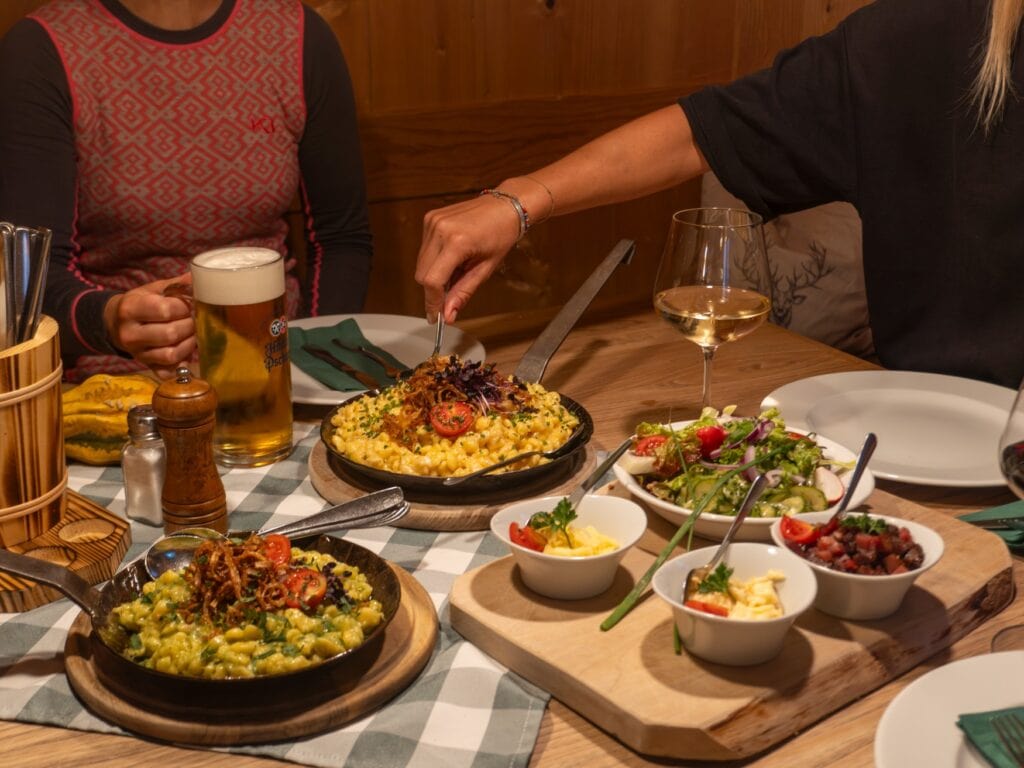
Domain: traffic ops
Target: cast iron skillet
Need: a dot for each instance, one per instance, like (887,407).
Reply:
(170,694)
(500,486)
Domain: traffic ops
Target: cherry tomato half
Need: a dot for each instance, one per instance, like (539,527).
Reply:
(451,419)
(646,446)
(711,438)
(799,531)
(700,605)
(277,548)
(306,588)
(525,536)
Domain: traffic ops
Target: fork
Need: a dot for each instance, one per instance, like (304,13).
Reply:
(1010,730)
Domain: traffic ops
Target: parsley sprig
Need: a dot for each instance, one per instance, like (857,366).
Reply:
(557,519)
(864,523)
(716,581)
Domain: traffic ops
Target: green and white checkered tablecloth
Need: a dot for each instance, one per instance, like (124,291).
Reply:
(463,711)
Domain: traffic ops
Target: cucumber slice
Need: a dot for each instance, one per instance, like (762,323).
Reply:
(814,498)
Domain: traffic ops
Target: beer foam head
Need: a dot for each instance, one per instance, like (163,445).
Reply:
(233,276)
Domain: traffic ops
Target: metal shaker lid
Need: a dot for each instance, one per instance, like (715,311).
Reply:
(142,421)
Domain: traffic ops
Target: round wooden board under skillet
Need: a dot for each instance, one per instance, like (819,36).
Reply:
(407,646)
(437,517)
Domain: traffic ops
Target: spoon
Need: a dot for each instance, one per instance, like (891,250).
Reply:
(697,575)
(552,454)
(176,550)
(577,495)
(858,469)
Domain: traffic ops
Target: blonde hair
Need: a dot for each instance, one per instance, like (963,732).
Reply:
(993,84)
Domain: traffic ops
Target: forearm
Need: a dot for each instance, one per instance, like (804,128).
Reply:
(649,154)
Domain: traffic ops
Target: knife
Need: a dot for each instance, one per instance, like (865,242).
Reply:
(36,283)
(8,312)
(996,523)
(363,378)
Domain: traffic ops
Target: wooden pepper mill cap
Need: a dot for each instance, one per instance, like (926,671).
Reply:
(185,400)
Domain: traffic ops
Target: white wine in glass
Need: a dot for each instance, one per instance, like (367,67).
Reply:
(713,283)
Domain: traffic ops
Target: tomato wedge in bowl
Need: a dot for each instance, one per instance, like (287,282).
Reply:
(855,596)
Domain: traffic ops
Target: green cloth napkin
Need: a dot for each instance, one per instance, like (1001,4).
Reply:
(1014,539)
(347,331)
(978,727)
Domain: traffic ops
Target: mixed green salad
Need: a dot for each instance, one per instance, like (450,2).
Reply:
(682,465)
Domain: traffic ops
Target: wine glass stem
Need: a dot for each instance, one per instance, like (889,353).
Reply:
(709,353)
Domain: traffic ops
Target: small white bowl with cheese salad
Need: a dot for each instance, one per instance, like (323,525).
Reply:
(741,613)
(565,553)
(672,467)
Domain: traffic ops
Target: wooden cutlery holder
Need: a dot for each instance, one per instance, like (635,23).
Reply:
(33,471)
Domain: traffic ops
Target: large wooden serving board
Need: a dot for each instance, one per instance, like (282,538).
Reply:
(407,646)
(630,682)
(432,517)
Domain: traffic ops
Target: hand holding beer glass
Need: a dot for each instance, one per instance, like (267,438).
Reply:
(242,333)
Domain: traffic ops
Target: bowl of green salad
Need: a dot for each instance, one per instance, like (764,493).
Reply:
(697,472)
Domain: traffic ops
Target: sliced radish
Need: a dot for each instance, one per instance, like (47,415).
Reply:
(637,465)
(826,481)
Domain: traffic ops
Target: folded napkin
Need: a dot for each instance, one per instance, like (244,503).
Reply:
(978,728)
(1014,539)
(348,333)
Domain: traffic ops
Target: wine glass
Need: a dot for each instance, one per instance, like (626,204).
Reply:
(713,283)
(1011,446)
(1011,462)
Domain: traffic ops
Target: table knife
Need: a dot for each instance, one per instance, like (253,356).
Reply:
(996,523)
(363,378)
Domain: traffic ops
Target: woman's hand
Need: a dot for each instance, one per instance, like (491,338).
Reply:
(462,246)
(154,329)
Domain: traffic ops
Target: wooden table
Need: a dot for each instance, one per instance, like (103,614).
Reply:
(623,370)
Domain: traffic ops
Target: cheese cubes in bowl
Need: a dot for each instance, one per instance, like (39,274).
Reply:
(578,565)
(757,632)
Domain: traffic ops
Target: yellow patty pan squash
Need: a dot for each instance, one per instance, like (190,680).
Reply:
(96,415)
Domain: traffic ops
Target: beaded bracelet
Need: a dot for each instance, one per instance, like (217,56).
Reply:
(524,217)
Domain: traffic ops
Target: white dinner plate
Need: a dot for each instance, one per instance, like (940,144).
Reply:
(932,429)
(409,339)
(919,725)
(753,528)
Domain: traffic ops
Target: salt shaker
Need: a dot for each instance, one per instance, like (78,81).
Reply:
(143,461)
(193,494)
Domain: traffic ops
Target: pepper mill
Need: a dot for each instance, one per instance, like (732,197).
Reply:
(193,494)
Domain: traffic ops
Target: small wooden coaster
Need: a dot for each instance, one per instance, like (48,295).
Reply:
(433,517)
(407,646)
(90,540)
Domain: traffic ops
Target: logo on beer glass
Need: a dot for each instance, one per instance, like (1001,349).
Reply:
(241,327)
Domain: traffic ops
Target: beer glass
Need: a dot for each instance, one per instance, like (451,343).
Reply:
(242,331)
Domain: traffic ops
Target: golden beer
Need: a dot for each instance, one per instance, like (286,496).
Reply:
(242,330)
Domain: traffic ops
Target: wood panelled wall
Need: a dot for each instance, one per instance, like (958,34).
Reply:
(455,95)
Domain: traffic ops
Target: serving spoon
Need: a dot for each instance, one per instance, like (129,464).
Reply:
(870,442)
(554,453)
(697,575)
(176,550)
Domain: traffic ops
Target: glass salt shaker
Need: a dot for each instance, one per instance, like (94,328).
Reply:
(143,463)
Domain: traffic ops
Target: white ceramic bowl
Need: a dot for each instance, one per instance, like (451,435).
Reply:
(737,642)
(857,597)
(573,578)
(712,526)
